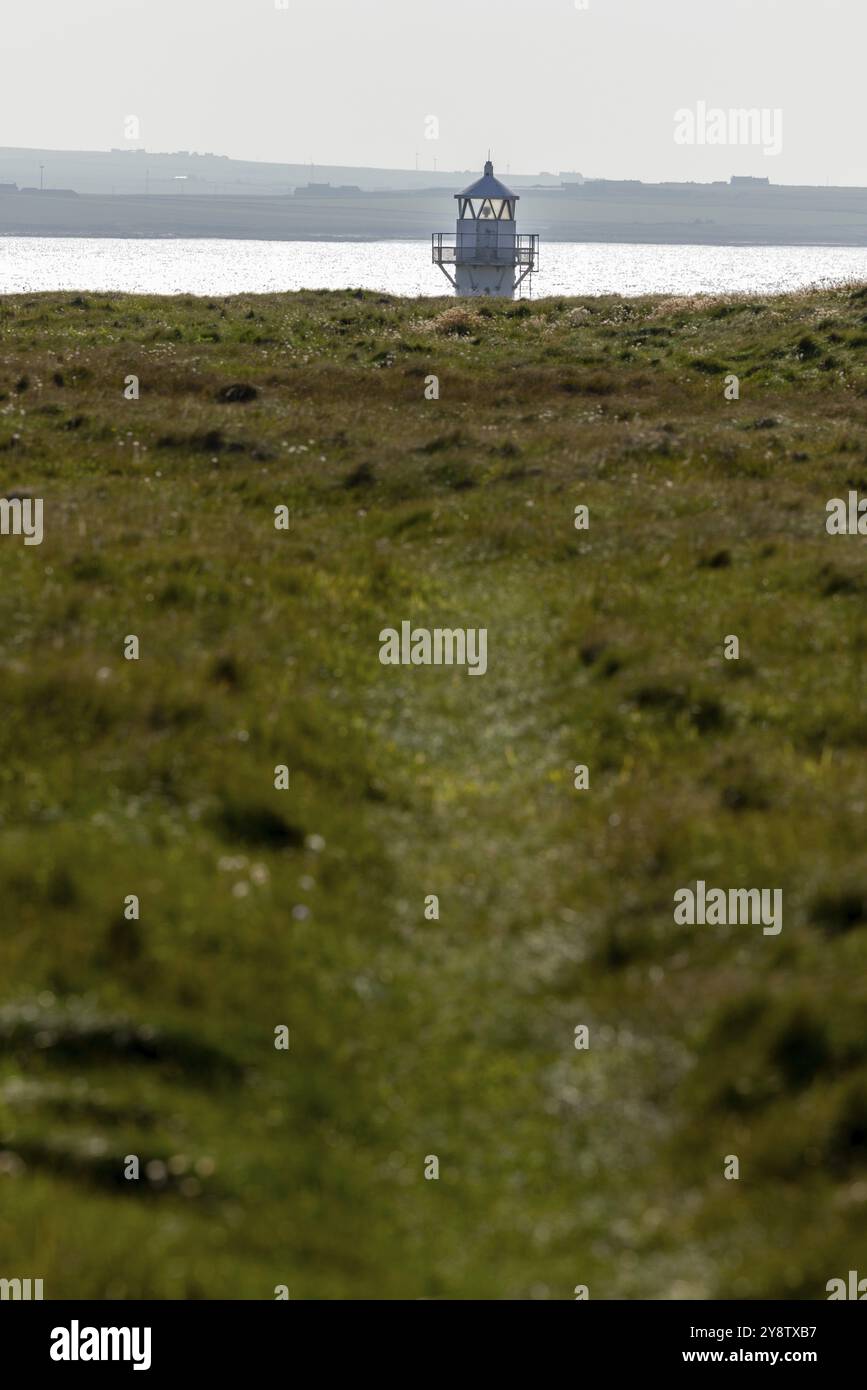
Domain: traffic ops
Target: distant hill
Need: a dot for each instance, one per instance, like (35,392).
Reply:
(126,171)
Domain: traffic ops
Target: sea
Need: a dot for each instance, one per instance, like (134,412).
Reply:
(220,267)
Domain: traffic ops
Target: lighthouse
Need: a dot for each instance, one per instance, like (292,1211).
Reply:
(486,255)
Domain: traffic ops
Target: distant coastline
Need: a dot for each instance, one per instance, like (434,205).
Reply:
(136,194)
(699,215)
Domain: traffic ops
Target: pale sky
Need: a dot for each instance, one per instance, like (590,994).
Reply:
(548,84)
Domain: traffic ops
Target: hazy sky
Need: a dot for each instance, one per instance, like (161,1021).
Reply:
(548,84)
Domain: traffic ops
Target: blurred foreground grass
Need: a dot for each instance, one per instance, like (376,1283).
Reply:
(305,908)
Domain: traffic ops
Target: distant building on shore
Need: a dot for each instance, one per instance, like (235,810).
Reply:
(325,190)
(51,192)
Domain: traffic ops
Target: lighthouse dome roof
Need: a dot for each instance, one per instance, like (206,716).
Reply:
(488,187)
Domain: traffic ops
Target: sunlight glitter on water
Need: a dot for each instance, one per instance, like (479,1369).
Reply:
(218,267)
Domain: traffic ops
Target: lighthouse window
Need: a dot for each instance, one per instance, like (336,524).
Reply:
(487,209)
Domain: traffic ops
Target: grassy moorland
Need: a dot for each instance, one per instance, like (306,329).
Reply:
(259,907)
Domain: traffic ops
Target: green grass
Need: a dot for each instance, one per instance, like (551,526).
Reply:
(306,907)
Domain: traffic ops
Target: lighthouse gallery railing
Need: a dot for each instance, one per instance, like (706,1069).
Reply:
(458,248)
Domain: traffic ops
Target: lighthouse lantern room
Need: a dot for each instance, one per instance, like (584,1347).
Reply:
(486,256)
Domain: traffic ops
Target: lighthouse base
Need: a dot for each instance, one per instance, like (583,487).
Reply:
(483,281)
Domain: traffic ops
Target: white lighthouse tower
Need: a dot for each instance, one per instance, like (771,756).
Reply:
(486,256)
